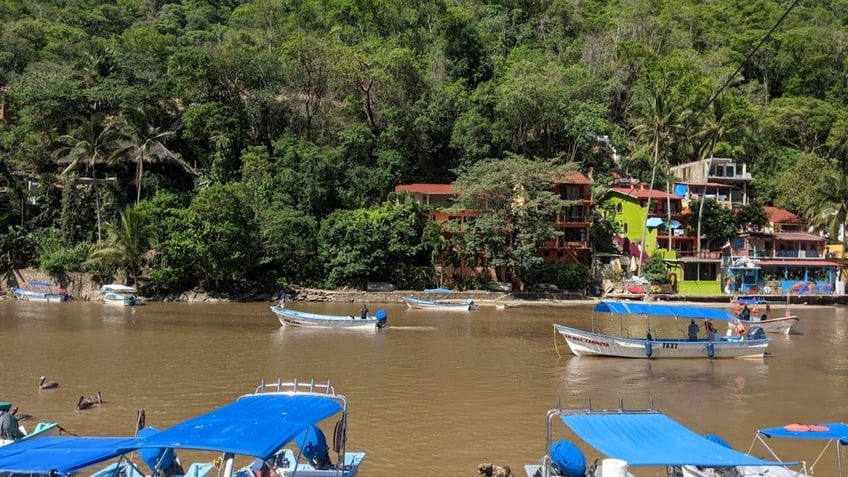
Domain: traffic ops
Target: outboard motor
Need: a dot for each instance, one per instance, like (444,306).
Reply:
(381,316)
(568,459)
(161,459)
(756,333)
(313,446)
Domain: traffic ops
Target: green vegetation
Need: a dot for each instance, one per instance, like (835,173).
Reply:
(233,145)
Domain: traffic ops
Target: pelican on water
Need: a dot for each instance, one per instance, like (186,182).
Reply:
(43,383)
(88,403)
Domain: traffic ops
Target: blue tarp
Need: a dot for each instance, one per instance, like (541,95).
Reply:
(654,439)
(835,430)
(63,454)
(662,310)
(255,425)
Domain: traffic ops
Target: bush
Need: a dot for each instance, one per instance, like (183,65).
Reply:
(572,276)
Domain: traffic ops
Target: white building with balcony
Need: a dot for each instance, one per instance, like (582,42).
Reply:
(723,179)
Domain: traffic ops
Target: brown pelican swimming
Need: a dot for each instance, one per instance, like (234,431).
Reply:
(88,403)
(43,383)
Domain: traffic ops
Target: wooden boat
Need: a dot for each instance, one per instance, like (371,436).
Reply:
(45,293)
(279,427)
(121,295)
(639,439)
(507,306)
(441,305)
(760,316)
(593,343)
(289,317)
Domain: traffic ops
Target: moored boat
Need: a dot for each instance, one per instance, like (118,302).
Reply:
(442,305)
(121,295)
(760,315)
(43,292)
(508,305)
(594,343)
(635,438)
(278,428)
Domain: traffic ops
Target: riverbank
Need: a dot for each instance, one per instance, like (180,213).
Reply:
(83,287)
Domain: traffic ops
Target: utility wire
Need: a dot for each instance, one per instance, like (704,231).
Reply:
(745,61)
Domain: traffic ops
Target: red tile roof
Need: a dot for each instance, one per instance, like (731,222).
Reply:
(782,216)
(446,189)
(642,193)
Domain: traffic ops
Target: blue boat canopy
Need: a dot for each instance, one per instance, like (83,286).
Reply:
(438,290)
(37,283)
(256,425)
(60,454)
(653,439)
(662,310)
(828,431)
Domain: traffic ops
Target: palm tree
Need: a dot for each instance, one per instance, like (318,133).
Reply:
(126,245)
(829,208)
(710,132)
(661,122)
(147,144)
(95,141)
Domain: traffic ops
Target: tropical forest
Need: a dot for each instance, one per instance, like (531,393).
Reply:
(230,145)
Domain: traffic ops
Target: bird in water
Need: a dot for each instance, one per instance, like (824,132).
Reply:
(88,403)
(43,383)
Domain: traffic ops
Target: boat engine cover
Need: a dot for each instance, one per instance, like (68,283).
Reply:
(756,333)
(568,459)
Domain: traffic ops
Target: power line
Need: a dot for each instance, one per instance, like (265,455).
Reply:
(745,61)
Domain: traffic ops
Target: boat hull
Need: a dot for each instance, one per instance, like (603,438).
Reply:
(288,317)
(585,343)
(118,299)
(442,305)
(782,325)
(28,295)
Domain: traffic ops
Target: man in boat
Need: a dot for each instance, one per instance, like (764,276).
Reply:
(693,331)
(363,313)
(746,313)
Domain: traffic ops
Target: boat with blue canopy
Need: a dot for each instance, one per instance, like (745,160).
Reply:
(649,341)
(441,304)
(40,291)
(834,435)
(275,431)
(635,438)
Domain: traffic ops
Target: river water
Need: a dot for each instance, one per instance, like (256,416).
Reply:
(437,392)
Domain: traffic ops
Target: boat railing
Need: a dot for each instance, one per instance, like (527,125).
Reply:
(296,386)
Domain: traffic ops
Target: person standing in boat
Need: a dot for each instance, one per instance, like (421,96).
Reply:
(710,329)
(746,313)
(363,313)
(693,331)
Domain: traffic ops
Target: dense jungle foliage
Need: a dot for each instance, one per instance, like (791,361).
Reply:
(228,144)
